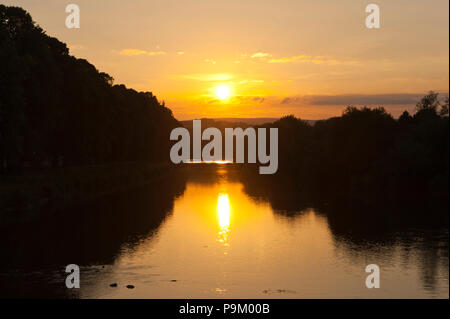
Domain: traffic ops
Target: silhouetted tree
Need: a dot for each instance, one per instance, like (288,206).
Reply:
(429,101)
(364,156)
(55,107)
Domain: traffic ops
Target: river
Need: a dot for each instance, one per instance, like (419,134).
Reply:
(208,238)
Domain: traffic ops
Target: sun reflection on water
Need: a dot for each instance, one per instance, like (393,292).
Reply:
(223,212)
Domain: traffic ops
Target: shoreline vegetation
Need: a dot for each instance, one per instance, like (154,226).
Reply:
(68,134)
(24,196)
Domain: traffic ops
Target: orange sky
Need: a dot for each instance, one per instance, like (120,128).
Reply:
(308,58)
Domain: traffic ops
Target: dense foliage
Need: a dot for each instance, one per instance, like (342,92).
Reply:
(364,155)
(58,109)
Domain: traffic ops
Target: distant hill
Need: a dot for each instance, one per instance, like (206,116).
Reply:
(242,120)
(249,121)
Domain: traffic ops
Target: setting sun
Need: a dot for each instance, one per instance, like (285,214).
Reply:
(223,92)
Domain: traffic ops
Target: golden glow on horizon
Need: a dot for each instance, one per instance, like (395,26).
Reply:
(223,92)
(252,69)
(208,162)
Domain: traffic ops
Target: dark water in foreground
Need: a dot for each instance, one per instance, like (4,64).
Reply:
(203,236)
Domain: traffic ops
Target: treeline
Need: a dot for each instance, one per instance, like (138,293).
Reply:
(363,157)
(58,110)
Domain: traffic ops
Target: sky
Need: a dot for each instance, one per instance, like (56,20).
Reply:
(269,58)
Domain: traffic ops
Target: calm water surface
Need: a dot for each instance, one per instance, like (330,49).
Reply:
(216,241)
(219,242)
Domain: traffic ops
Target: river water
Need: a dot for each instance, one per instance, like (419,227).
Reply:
(212,239)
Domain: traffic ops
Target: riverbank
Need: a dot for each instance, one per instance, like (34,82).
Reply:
(57,188)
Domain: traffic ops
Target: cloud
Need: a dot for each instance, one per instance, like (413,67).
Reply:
(366,99)
(135,52)
(261,55)
(246,99)
(156,53)
(258,99)
(208,77)
(180,52)
(235,101)
(401,99)
(301,58)
(310,59)
(210,61)
(288,59)
(288,100)
(250,81)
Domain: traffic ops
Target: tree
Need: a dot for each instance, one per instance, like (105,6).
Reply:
(428,102)
(444,108)
(53,105)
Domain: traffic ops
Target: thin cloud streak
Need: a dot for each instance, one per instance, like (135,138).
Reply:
(357,99)
(208,77)
(136,52)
